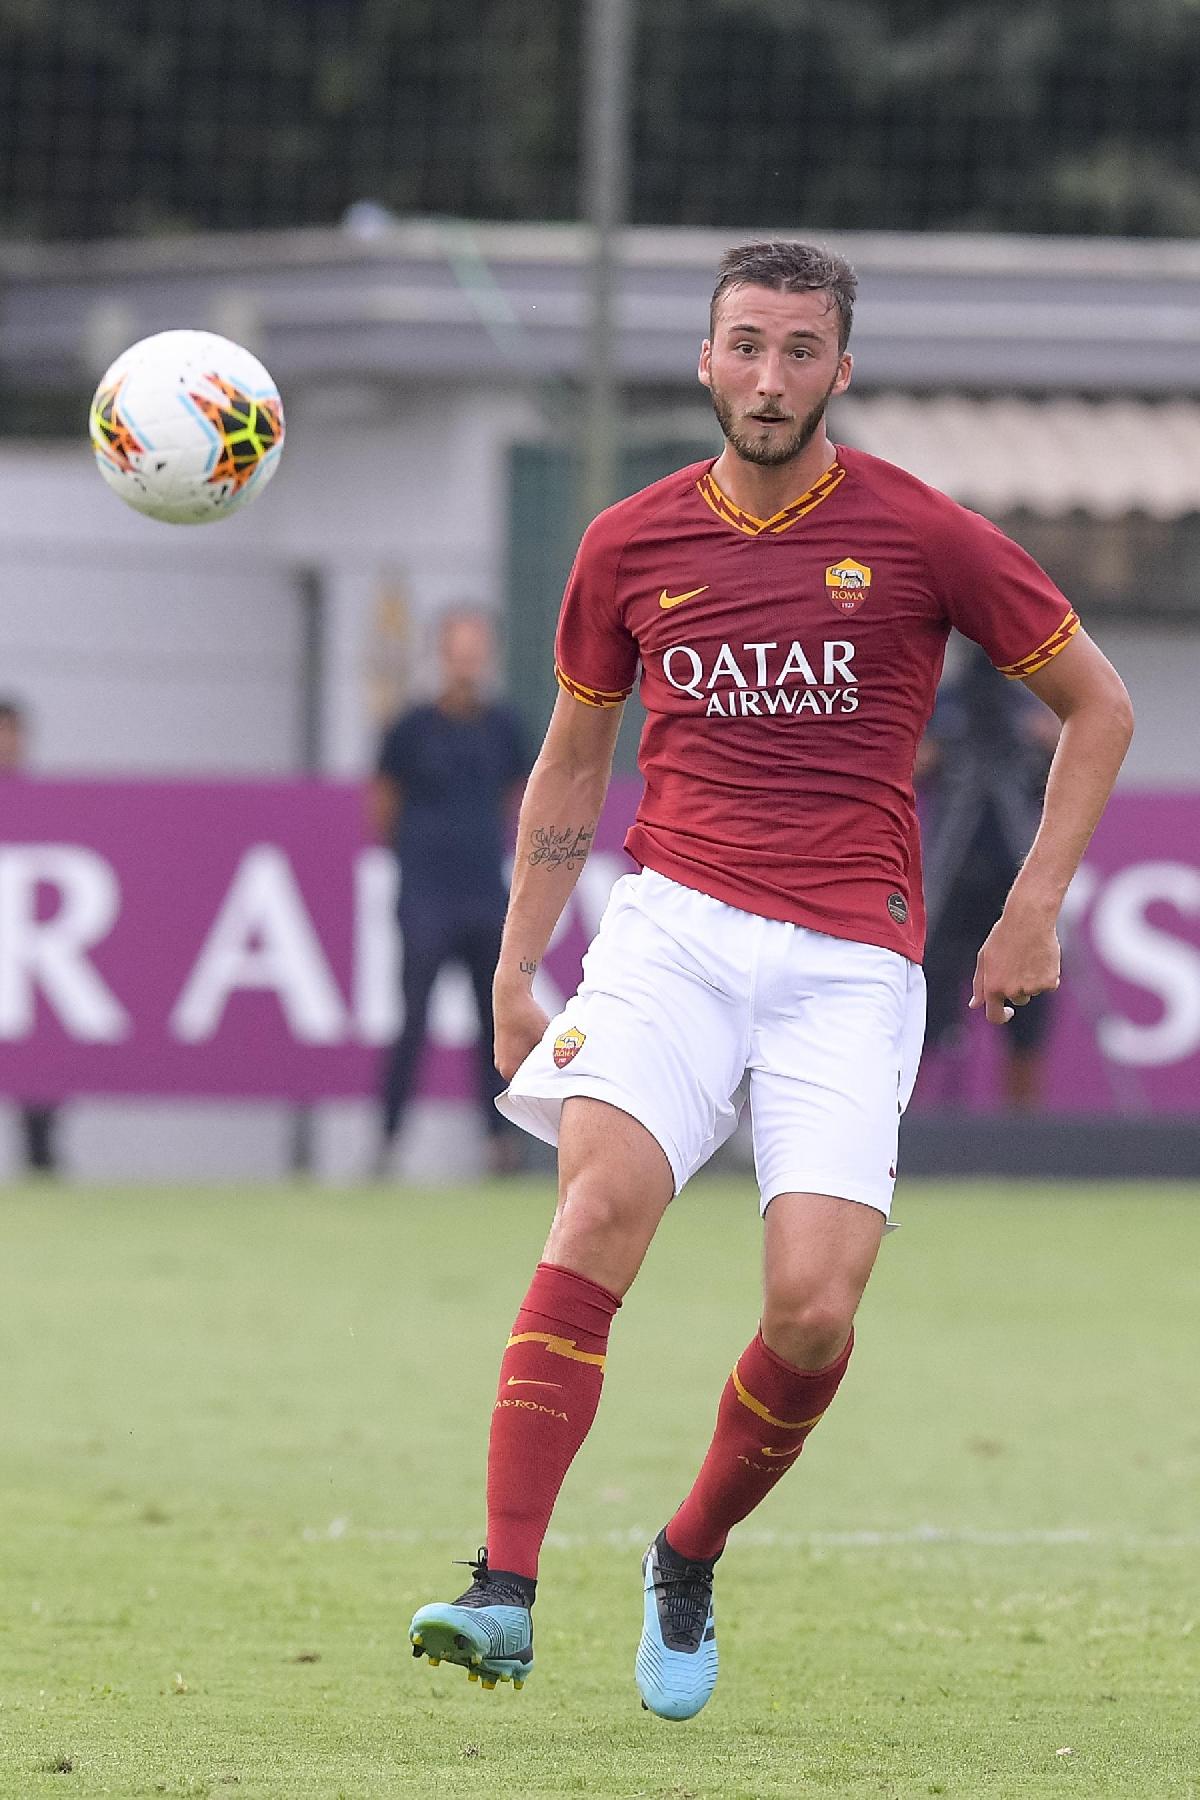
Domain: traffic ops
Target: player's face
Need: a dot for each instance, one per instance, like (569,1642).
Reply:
(772,366)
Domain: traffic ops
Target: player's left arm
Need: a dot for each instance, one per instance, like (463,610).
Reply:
(1020,957)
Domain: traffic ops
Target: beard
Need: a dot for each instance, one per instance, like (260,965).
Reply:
(768,449)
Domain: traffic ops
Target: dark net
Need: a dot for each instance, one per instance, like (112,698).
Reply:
(129,116)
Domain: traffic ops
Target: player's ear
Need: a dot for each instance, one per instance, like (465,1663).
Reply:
(704,372)
(845,370)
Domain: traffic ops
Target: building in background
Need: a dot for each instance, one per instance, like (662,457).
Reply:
(403,249)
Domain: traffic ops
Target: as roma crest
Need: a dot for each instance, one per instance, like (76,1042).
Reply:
(846,583)
(567,1044)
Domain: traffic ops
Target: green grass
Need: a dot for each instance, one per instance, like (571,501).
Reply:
(243,1436)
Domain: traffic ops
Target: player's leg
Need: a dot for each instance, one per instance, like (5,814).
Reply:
(830,1080)
(615,1183)
(818,1254)
(635,1082)
(835,1044)
(614,1186)
(427,946)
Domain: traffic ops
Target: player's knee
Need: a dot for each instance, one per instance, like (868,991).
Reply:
(808,1331)
(594,1204)
(598,1231)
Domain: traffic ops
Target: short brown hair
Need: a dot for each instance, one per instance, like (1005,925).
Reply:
(790,269)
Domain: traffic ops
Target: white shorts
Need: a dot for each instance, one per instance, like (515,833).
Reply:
(687,1004)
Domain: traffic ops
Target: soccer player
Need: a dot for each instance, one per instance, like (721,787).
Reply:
(788,606)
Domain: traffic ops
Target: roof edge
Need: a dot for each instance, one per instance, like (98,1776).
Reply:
(435,239)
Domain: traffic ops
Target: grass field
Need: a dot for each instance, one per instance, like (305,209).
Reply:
(243,1436)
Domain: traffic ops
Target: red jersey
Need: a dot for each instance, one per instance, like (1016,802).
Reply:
(788,669)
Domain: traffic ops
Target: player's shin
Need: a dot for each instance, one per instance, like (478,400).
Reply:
(549,1389)
(766,1412)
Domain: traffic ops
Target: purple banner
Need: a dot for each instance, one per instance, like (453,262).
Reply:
(239,939)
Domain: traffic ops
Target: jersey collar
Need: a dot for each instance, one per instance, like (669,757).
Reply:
(746,522)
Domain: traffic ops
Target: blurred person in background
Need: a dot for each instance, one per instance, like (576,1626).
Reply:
(982,768)
(446,791)
(38,1119)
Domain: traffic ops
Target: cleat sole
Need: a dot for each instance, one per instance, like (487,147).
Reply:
(444,1640)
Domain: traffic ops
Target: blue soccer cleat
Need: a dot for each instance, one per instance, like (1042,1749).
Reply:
(488,1630)
(676,1665)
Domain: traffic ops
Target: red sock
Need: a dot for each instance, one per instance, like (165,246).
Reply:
(767,1410)
(549,1390)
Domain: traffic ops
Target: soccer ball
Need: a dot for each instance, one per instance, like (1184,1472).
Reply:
(187,427)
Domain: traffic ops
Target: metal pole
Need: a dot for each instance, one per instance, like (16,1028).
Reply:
(608,45)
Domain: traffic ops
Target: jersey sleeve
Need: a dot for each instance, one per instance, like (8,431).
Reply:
(595,657)
(997,595)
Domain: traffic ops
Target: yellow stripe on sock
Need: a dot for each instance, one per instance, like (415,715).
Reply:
(760,1411)
(557,1346)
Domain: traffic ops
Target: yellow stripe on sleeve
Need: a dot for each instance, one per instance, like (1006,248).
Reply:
(590,696)
(1037,659)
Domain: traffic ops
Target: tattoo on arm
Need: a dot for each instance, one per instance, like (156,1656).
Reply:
(528,966)
(556,849)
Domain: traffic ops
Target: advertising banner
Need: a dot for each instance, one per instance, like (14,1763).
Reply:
(239,939)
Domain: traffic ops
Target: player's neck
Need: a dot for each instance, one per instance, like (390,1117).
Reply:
(763,492)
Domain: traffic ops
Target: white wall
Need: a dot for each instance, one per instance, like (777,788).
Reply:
(1160,666)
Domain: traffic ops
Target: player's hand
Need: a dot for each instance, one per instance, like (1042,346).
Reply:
(1020,958)
(519,1024)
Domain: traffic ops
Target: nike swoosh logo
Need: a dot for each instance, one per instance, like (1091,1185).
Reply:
(767,1451)
(514,1382)
(666,600)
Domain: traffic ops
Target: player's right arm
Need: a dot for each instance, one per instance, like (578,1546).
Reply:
(562,803)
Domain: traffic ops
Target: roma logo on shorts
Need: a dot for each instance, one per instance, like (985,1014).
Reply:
(567,1044)
(846,583)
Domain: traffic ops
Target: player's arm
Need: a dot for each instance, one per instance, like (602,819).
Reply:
(563,798)
(1021,957)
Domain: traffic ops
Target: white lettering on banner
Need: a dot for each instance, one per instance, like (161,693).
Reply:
(1151,958)
(263,938)
(50,954)
(376,946)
